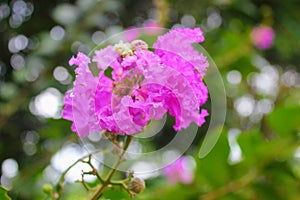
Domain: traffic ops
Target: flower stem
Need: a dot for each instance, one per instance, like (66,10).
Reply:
(107,180)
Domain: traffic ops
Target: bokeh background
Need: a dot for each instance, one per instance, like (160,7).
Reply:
(257,155)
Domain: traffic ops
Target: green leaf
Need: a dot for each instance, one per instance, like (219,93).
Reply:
(252,146)
(3,193)
(277,176)
(108,72)
(285,120)
(257,151)
(213,169)
(116,194)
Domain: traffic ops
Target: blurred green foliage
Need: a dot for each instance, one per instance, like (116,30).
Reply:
(3,194)
(267,132)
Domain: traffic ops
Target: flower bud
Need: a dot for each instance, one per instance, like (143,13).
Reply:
(139,44)
(136,185)
(47,188)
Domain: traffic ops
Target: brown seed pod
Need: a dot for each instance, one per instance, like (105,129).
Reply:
(136,185)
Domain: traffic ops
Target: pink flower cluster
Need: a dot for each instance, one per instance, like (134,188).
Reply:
(179,171)
(262,36)
(136,84)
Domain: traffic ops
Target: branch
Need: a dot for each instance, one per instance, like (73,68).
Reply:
(59,185)
(107,180)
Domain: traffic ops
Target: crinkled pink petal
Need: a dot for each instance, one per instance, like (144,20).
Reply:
(103,109)
(67,110)
(103,92)
(129,62)
(106,119)
(117,72)
(81,61)
(184,58)
(203,114)
(123,117)
(146,58)
(105,57)
(138,110)
(83,101)
(156,100)
(196,34)
(174,91)
(200,90)
(179,42)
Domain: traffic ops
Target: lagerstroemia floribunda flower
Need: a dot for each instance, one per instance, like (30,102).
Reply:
(179,171)
(262,36)
(145,83)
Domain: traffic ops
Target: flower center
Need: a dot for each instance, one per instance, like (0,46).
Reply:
(126,48)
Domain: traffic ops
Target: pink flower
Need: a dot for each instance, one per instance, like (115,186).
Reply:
(144,85)
(262,36)
(152,28)
(130,34)
(179,172)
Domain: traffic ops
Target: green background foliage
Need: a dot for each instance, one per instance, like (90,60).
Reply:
(267,137)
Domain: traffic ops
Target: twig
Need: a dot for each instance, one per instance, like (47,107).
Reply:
(107,180)
(94,170)
(83,182)
(59,185)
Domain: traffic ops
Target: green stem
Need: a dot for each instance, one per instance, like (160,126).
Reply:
(231,187)
(162,10)
(107,180)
